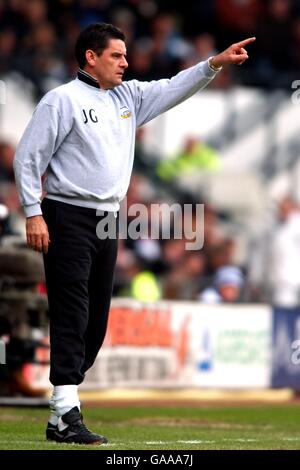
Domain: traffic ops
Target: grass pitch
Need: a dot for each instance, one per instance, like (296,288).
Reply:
(156,427)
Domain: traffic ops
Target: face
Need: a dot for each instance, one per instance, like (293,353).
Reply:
(229,293)
(285,208)
(109,67)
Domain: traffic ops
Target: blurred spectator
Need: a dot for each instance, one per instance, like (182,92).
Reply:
(213,235)
(92,11)
(172,252)
(132,280)
(145,287)
(284,256)
(141,61)
(8,192)
(183,279)
(7,152)
(219,253)
(34,12)
(124,19)
(204,47)
(227,286)
(168,46)
(195,156)
(237,18)
(41,59)
(8,43)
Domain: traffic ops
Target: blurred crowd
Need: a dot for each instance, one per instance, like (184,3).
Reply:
(163,36)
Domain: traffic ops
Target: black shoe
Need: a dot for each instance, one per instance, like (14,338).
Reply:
(50,432)
(76,432)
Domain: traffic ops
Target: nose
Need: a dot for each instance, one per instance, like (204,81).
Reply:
(124,63)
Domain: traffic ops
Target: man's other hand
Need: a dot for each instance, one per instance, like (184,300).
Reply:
(37,233)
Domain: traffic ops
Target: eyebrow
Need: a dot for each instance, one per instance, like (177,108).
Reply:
(119,53)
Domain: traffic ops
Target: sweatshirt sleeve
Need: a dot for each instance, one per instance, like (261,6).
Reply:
(156,97)
(40,141)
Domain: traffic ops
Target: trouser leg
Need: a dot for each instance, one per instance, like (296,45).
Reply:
(68,321)
(67,267)
(100,292)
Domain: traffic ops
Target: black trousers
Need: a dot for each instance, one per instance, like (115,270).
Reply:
(79,270)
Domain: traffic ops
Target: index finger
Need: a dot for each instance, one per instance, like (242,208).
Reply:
(45,241)
(245,42)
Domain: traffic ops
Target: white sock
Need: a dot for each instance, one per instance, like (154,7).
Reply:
(53,419)
(61,425)
(63,399)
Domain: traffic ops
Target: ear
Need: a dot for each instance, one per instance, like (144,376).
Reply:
(90,57)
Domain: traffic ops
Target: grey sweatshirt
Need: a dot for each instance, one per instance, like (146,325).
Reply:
(83,138)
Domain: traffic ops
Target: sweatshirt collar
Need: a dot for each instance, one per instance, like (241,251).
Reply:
(87,78)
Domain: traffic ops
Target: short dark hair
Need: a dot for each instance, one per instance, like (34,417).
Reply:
(95,37)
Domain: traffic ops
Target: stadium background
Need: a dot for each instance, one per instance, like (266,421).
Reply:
(233,147)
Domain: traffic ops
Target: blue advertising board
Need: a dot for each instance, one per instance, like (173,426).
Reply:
(286,348)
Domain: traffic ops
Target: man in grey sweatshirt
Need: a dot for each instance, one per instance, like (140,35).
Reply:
(81,138)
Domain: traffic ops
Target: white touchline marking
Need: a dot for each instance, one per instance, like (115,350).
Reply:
(196,442)
(239,440)
(181,442)
(290,439)
(159,442)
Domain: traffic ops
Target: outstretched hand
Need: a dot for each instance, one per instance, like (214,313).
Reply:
(236,54)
